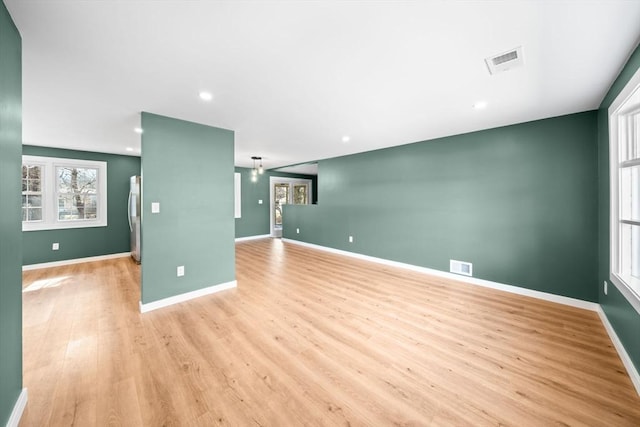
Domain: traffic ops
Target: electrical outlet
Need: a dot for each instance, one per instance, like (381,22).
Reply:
(260,201)
(180,270)
(350,239)
(55,246)
(605,287)
(297,231)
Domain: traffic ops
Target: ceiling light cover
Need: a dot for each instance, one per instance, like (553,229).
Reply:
(206,96)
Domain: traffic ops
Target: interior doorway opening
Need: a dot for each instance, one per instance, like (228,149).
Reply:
(286,191)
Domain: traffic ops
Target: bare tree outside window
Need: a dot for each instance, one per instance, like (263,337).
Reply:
(77,193)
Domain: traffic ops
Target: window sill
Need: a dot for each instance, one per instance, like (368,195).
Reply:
(63,226)
(629,294)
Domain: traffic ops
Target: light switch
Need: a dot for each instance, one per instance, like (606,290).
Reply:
(155,207)
(260,201)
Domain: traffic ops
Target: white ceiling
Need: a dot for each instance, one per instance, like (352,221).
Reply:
(291,78)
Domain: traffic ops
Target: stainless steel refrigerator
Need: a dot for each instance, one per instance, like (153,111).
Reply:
(135,217)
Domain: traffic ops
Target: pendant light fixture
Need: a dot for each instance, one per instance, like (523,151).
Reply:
(255,171)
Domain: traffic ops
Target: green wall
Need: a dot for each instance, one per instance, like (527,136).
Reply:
(519,202)
(622,316)
(10,219)
(255,217)
(92,241)
(187,168)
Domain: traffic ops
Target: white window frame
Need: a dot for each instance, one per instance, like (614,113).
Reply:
(625,103)
(237,189)
(50,219)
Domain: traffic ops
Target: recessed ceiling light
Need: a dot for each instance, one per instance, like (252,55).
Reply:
(129,149)
(206,96)
(137,130)
(346,138)
(480,105)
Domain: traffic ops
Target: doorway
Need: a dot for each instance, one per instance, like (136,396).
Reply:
(286,191)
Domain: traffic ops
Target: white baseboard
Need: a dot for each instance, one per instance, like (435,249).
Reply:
(259,236)
(176,299)
(574,302)
(74,261)
(18,409)
(622,352)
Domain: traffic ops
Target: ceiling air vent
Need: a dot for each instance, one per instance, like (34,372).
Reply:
(505,61)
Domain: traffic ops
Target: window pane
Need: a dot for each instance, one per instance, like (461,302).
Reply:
(31,178)
(31,171)
(77,180)
(35,172)
(90,206)
(34,214)
(33,201)
(34,185)
(31,207)
(630,193)
(300,194)
(281,197)
(77,193)
(74,207)
(630,250)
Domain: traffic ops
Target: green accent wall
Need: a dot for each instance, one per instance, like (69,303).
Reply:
(255,216)
(91,241)
(621,314)
(10,219)
(519,202)
(188,169)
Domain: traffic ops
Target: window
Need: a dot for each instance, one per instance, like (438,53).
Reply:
(300,194)
(31,192)
(63,193)
(624,146)
(76,193)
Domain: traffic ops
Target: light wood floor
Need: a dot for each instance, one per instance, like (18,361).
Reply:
(310,338)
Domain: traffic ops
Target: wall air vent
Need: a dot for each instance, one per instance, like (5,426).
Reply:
(461,267)
(505,61)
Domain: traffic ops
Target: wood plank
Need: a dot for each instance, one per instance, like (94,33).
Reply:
(312,338)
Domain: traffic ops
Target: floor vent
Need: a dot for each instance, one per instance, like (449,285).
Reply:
(505,61)
(461,267)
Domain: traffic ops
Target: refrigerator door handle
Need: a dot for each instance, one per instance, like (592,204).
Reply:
(129,212)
